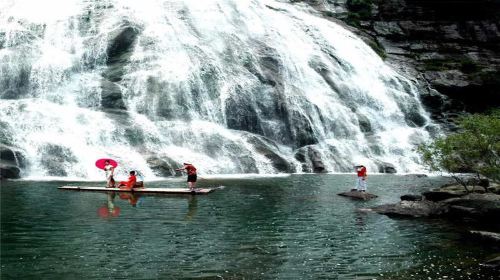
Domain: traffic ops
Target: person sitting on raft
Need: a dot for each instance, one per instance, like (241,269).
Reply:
(132,180)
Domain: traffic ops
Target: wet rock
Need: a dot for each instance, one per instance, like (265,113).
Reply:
(241,113)
(164,166)
(480,207)
(111,95)
(492,263)
(411,197)
(301,129)
(55,158)
(385,167)
(247,164)
(317,162)
(268,149)
(8,171)
(493,237)
(364,124)
(311,159)
(121,44)
(120,48)
(442,195)
(409,209)
(358,195)
(11,162)
(483,209)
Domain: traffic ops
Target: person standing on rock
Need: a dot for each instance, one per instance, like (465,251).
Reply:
(191,172)
(361,182)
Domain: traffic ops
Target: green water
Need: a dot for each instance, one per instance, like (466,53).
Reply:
(293,227)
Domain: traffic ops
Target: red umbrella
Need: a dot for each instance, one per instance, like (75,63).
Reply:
(100,163)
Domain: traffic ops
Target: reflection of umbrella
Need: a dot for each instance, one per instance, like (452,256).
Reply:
(105,213)
(100,163)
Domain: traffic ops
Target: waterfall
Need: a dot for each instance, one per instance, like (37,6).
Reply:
(233,86)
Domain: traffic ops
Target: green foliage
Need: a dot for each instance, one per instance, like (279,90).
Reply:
(475,148)
(379,49)
(362,7)
(358,10)
(464,64)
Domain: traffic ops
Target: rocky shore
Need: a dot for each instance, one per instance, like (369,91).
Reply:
(478,206)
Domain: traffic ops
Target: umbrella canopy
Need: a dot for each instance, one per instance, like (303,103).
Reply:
(100,163)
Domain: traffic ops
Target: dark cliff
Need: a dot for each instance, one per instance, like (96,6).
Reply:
(451,45)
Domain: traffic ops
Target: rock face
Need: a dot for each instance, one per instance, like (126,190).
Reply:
(358,195)
(119,50)
(452,44)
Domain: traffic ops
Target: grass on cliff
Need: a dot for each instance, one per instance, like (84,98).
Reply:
(466,65)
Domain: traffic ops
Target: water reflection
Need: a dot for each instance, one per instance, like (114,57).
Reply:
(133,198)
(109,209)
(192,206)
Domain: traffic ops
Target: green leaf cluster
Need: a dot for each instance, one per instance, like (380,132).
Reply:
(475,148)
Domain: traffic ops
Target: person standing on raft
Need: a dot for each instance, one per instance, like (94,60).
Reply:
(361,181)
(191,172)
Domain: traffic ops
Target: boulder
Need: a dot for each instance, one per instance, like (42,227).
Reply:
(385,167)
(409,209)
(493,237)
(163,167)
(479,207)
(311,159)
(440,195)
(492,263)
(411,197)
(358,195)
(11,162)
(8,171)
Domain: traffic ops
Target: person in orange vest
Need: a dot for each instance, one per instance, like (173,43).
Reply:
(191,172)
(130,183)
(361,182)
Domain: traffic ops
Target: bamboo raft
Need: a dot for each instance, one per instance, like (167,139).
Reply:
(140,190)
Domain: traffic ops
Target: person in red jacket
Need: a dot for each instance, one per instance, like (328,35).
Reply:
(191,172)
(130,183)
(361,182)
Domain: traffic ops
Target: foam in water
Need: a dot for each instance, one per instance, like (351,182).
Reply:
(231,86)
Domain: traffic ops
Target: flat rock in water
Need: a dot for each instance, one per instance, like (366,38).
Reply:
(358,195)
(487,235)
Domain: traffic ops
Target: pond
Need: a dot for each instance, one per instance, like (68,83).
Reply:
(281,227)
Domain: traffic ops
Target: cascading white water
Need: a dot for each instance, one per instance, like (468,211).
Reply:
(241,86)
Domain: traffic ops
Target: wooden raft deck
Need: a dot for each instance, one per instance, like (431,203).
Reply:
(139,190)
